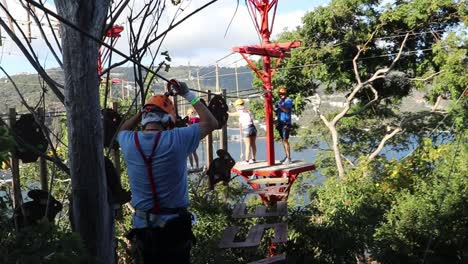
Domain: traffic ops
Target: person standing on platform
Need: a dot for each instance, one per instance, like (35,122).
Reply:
(193,118)
(283,111)
(248,131)
(156,159)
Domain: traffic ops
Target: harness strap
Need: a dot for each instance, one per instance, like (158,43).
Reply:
(148,163)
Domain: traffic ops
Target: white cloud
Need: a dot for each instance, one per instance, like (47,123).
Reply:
(200,40)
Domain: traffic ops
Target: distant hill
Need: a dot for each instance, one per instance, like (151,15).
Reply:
(30,88)
(227,78)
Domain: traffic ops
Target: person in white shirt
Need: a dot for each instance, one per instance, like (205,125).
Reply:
(248,130)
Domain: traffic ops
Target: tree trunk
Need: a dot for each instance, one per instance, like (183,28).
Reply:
(437,103)
(335,144)
(336,152)
(92,216)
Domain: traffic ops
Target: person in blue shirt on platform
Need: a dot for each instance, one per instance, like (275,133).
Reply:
(283,111)
(156,159)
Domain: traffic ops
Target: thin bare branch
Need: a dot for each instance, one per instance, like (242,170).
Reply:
(52,84)
(39,25)
(355,66)
(31,148)
(382,143)
(426,78)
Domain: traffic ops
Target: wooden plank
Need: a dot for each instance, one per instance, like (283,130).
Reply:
(195,170)
(276,190)
(275,259)
(262,169)
(281,209)
(254,236)
(268,180)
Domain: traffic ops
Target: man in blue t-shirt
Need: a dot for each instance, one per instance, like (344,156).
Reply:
(156,159)
(284,124)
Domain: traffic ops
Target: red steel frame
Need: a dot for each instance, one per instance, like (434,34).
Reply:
(113,33)
(290,173)
(260,10)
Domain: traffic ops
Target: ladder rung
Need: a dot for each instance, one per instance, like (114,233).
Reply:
(254,236)
(269,260)
(276,190)
(269,180)
(281,209)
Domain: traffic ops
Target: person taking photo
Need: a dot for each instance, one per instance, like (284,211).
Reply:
(156,159)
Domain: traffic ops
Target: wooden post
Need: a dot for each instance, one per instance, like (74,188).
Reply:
(116,151)
(224,135)
(209,141)
(122,94)
(118,212)
(217,78)
(17,197)
(237,80)
(176,105)
(42,160)
(198,83)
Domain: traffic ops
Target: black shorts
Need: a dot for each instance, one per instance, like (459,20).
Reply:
(283,129)
(250,131)
(170,244)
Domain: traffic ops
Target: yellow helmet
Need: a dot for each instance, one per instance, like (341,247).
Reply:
(5,165)
(282,90)
(239,102)
(190,111)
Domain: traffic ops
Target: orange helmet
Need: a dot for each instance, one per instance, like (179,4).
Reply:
(282,90)
(163,103)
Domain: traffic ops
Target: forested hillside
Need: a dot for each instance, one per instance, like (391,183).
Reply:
(32,88)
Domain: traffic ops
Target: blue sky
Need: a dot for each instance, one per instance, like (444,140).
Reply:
(201,41)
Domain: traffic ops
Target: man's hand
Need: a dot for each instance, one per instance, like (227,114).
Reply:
(177,87)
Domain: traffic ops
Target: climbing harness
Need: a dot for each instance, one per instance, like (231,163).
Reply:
(118,195)
(36,209)
(31,142)
(149,169)
(219,108)
(220,168)
(111,120)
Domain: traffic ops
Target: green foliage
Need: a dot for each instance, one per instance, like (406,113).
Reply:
(448,66)
(393,212)
(429,220)
(42,243)
(6,143)
(213,210)
(331,34)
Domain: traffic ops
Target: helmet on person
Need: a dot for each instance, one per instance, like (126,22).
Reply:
(238,102)
(157,104)
(282,90)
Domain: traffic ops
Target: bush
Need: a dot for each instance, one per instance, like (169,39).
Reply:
(43,243)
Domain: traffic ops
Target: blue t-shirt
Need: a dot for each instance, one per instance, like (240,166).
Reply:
(285,117)
(169,167)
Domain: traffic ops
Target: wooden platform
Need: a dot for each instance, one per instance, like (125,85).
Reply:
(275,259)
(269,180)
(281,209)
(254,236)
(277,190)
(262,169)
(194,170)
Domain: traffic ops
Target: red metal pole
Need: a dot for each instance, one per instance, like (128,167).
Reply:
(268,111)
(265,32)
(266,50)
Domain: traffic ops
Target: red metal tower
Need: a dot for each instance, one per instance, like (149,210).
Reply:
(259,10)
(112,33)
